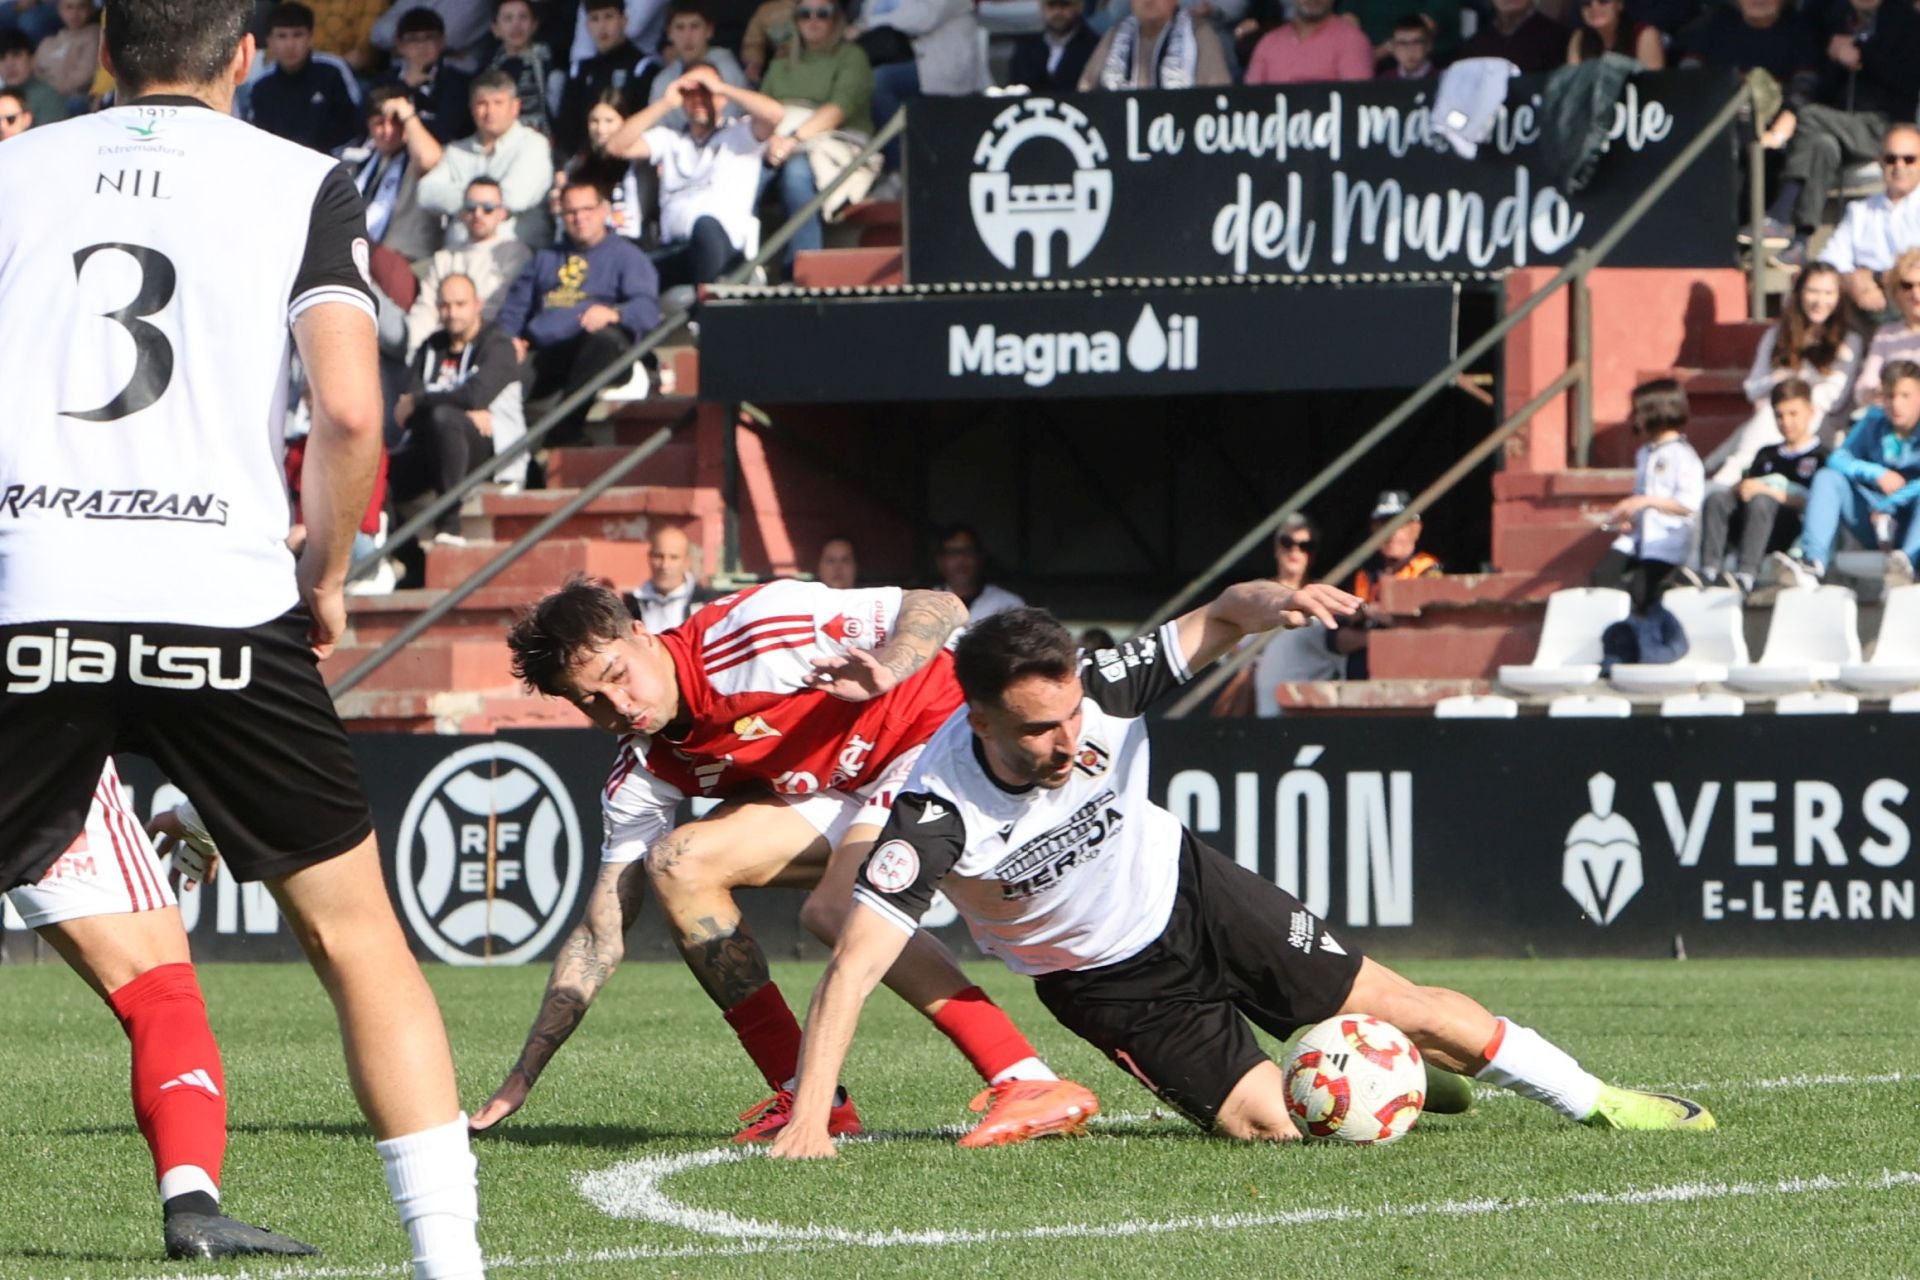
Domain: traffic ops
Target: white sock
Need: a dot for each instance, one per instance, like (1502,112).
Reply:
(183,1178)
(432,1177)
(1025,1069)
(1533,1067)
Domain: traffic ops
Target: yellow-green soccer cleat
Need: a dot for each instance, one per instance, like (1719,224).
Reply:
(1633,1109)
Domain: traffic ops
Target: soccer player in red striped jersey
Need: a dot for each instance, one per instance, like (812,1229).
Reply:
(803,708)
(105,906)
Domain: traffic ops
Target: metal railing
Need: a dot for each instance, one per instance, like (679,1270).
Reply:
(538,433)
(1572,276)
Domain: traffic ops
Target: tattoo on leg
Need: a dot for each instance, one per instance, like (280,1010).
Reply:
(726,960)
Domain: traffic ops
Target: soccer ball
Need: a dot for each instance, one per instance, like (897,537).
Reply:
(1355,1079)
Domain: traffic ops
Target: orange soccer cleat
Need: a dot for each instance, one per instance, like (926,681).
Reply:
(766,1119)
(1021,1109)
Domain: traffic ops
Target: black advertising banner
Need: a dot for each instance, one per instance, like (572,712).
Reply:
(1755,835)
(1021,343)
(1293,180)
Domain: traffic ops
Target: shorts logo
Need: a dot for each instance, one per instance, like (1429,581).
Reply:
(37,663)
(489,858)
(893,867)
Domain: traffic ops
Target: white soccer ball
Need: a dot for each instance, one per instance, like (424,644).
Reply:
(1357,1079)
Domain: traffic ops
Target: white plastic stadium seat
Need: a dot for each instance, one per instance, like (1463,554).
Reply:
(1809,702)
(1568,657)
(1906,703)
(1815,631)
(1704,704)
(1716,640)
(1895,664)
(1476,706)
(1584,706)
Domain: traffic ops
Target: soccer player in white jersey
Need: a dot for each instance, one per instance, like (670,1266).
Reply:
(105,906)
(1030,810)
(158,263)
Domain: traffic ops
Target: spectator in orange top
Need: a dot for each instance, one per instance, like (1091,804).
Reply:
(1398,559)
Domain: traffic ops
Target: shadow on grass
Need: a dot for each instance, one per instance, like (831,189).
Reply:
(605,1136)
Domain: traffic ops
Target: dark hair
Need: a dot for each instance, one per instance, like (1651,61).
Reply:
(498,5)
(485,180)
(546,639)
(1790,389)
(381,94)
(1797,339)
(955,530)
(291,14)
(1413,22)
(416,20)
(698,8)
(1094,639)
(493,82)
(19,96)
(1894,371)
(1659,405)
(595,6)
(582,184)
(1011,646)
(166,42)
(14,42)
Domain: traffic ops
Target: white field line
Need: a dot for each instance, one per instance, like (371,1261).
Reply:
(1487,1093)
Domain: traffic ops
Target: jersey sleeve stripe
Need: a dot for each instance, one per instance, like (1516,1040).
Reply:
(798,642)
(1176,658)
(330,293)
(755,631)
(888,912)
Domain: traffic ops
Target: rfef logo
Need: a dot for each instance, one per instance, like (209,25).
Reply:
(489,857)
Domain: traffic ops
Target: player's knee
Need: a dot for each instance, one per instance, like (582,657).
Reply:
(822,918)
(677,866)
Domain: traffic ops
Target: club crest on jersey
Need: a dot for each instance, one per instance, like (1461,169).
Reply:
(894,866)
(840,628)
(753,728)
(1092,759)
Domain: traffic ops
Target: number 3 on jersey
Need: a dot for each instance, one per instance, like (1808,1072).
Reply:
(153,353)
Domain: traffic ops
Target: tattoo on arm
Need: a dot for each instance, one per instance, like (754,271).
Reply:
(926,619)
(725,959)
(586,960)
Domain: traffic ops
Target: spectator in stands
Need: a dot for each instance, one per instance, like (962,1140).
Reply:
(1606,27)
(70,57)
(1521,34)
(568,32)
(1763,511)
(709,173)
(768,32)
(1815,339)
(838,566)
(1302,654)
(618,177)
(1315,46)
(16,72)
(665,599)
(1669,487)
(947,50)
(527,60)
(503,149)
(1158,45)
(1399,558)
(962,567)
(1380,19)
(461,406)
(1757,34)
(16,117)
(345,28)
(1410,51)
(1871,484)
(302,99)
(1896,339)
(829,75)
(35,19)
(1051,60)
(1876,230)
(690,41)
(577,308)
(1870,75)
(462,25)
(441,94)
(387,166)
(489,258)
(617,63)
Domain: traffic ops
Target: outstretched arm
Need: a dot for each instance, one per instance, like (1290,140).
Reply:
(926,620)
(587,959)
(867,949)
(1247,608)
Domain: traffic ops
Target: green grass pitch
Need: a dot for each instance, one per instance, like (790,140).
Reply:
(1815,1170)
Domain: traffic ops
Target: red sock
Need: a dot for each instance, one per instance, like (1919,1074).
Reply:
(179,1090)
(769,1033)
(982,1030)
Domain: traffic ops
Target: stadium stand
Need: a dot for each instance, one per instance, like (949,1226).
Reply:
(1568,656)
(1815,631)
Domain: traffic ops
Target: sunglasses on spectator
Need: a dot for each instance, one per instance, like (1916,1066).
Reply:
(482,206)
(824,15)
(1294,544)
(1894,157)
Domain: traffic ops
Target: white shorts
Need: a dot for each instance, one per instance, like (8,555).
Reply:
(834,813)
(109,869)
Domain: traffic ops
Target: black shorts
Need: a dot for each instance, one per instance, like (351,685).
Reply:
(1171,1016)
(238,719)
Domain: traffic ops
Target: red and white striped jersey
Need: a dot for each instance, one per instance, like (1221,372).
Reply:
(742,664)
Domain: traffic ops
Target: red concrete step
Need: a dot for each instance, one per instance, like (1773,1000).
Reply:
(1457,591)
(1614,446)
(485,615)
(1469,648)
(847,268)
(542,568)
(620,514)
(1733,344)
(431,663)
(875,223)
(1564,550)
(575,466)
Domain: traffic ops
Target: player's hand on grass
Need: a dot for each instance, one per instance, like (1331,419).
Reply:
(1319,602)
(854,676)
(506,1100)
(803,1143)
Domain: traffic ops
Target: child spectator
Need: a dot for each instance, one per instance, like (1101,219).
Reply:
(1896,339)
(1871,484)
(1814,340)
(1669,486)
(16,72)
(617,63)
(1764,511)
(1606,28)
(1411,50)
(690,41)
(619,177)
(528,61)
(68,58)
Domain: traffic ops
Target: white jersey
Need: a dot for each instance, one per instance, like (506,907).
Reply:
(1072,878)
(152,258)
